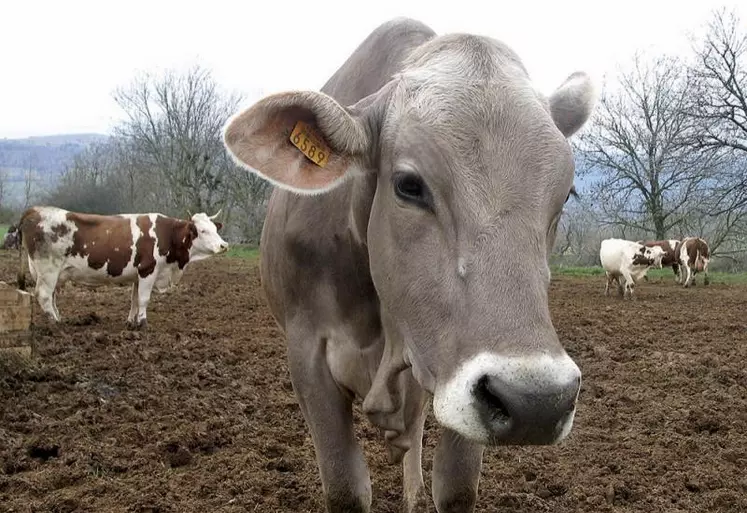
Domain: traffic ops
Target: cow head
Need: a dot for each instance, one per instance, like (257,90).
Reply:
(471,168)
(206,240)
(649,256)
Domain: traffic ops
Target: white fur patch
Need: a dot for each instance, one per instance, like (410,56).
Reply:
(462,268)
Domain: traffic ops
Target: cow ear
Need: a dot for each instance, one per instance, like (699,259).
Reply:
(218,226)
(572,103)
(302,141)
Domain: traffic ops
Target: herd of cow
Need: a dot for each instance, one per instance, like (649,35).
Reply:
(626,262)
(151,250)
(404,254)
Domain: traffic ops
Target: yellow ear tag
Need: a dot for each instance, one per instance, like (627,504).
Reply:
(311,143)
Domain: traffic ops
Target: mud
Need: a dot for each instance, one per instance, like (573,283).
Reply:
(197,414)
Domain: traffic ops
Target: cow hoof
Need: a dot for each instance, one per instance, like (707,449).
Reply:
(137,326)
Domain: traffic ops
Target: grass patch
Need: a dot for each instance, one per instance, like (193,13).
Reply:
(3,230)
(576,271)
(243,251)
(653,274)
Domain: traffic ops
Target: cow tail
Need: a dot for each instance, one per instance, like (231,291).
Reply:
(23,268)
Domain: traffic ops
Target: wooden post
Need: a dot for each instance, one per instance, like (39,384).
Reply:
(15,320)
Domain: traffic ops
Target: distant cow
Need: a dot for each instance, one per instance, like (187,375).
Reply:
(670,258)
(147,250)
(693,256)
(629,260)
(10,239)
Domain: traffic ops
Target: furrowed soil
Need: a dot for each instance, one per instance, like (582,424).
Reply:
(197,414)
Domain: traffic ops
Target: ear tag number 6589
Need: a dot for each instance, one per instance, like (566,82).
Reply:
(305,138)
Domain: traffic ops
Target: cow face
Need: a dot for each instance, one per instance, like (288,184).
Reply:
(471,169)
(656,254)
(649,256)
(207,241)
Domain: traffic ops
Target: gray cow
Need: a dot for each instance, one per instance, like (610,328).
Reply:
(405,254)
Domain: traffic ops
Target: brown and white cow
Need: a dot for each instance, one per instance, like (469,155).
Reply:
(670,258)
(148,250)
(626,262)
(693,256)
(405,253)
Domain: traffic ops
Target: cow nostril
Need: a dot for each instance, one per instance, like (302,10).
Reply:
(485,393)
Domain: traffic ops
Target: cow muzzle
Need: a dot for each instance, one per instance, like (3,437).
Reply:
(498,400)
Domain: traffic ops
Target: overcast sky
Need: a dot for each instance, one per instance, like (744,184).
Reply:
(61,60)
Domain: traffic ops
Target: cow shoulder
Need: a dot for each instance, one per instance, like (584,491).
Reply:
(174,239)
(145,257)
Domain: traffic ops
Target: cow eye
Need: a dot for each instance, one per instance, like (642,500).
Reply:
(411,188)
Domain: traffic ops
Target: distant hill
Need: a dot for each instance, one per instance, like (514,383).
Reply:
(46,156)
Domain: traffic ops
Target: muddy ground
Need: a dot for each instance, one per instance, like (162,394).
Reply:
(198,414)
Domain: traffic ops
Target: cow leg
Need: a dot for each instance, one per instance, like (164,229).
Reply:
(416,404)
(609,282)
(629,285)
(54,304)
(144,289)
(134,306)
(46,283)
(328,412)
(456,473)
(687,276)
(618,282)
(676,269)
(57,289)
(706,280)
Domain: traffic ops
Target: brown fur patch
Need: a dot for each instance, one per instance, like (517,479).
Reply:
(175,237)
(695,246)
(32,235)
(59,231)
(145,261)
(103,240)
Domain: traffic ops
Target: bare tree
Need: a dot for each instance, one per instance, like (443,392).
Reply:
(718,107)
(173,138)
(248,194)
(29,179)
(637,143)
(90,182)
(719,80)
